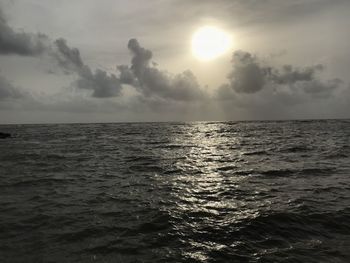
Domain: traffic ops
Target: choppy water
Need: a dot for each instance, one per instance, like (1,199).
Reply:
(176,192)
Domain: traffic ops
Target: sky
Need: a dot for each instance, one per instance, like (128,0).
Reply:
(65,61)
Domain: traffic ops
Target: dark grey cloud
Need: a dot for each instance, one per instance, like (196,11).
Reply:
(20,43)
(126,75)
(141,57)
(250,75)
(101,83)
(247,74)
(151,81)
(68,58)
(321,89)
(8,91)
(289,74)
(142,74)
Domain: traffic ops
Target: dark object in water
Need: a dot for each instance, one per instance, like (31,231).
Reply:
(4,135)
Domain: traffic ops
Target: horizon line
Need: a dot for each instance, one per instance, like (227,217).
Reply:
(179,121)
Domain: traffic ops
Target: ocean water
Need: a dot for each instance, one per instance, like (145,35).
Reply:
(176,192)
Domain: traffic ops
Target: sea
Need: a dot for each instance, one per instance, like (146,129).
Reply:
(256,191)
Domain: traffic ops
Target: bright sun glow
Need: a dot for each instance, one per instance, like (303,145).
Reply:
(210,42)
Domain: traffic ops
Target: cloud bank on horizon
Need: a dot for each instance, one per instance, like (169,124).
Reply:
(248,76)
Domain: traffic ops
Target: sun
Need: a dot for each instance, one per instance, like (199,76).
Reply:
(210,42)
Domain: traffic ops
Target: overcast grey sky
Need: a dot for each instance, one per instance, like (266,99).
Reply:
(116,60)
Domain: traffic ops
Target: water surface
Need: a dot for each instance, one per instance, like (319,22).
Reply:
(176,192)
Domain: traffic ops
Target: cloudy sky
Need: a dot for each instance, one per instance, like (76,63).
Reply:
(118,60)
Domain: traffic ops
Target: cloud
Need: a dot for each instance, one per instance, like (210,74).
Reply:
(101,83)
(141,57)
(126,75)
(250,75)
(142,74)
(247,75)
(20,43)
(321,89)
(290,75)
(151,81)
(8,91)
(68,58)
